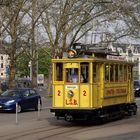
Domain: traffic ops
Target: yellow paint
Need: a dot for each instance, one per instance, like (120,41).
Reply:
(71,102)
(85,96)
(58,95)
(71,65)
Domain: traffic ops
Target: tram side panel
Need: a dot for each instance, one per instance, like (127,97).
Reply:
(116,93)
(111,93)
(58,95)
(85,96)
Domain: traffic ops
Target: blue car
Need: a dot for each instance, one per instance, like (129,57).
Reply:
(25,98)
(137,88)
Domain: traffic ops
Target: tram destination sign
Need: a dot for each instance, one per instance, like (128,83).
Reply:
(118,58)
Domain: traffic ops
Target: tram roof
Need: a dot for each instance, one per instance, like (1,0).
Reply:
(90,53)
(91,59)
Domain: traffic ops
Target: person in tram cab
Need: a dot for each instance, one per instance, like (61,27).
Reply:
(83,79)
(74,78)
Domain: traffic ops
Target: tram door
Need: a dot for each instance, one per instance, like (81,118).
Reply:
(77,87)
(85,86)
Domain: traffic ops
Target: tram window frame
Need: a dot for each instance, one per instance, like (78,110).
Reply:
(130,72)
(109,72)
(125,72)
(84,72)
(58,76)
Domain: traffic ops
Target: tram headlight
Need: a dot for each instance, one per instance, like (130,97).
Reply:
(70,93)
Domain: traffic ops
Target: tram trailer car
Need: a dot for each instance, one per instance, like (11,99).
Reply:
(92,85)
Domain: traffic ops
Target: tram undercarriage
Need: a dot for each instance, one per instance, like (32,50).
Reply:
(104,113)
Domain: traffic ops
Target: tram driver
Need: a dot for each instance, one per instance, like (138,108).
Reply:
(74,78)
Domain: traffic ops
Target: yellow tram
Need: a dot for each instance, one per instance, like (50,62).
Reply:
(92,82)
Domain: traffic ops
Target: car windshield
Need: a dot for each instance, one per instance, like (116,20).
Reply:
(10,93)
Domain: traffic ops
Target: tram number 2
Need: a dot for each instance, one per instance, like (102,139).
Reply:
(59,93)
(84,93)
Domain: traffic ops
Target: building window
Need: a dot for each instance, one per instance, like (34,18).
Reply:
(1,73)
(1,57)
(1,65)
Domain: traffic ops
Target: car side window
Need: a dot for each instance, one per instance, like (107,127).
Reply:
(32,92)
(26,93)
(14,93)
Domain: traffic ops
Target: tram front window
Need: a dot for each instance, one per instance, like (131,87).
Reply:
(72,75)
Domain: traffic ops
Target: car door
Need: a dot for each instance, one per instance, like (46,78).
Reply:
(26,100)
(34,98)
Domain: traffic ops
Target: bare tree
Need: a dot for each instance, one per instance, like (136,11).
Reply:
(34,15)
(64,22)
(11,34)
(67,21)
(122,22)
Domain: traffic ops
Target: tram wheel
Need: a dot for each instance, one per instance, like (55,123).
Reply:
(68,118)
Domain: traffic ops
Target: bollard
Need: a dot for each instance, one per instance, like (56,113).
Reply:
(16,113)
(39,109)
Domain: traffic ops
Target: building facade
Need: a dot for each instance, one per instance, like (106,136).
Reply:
(131,52)
(4,66)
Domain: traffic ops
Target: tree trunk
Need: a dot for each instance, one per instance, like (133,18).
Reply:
(49,83)
(12,82)
(34,74)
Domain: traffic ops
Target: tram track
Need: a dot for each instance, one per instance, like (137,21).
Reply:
(43,133)
(39,133)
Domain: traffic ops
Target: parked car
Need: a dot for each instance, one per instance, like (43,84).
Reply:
(137,88)
(26,98)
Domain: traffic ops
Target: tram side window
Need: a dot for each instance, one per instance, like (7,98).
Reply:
(84,72)
(72,75)
(111,73)
(121,73)
(59,72)
(116,73)
(106,72)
